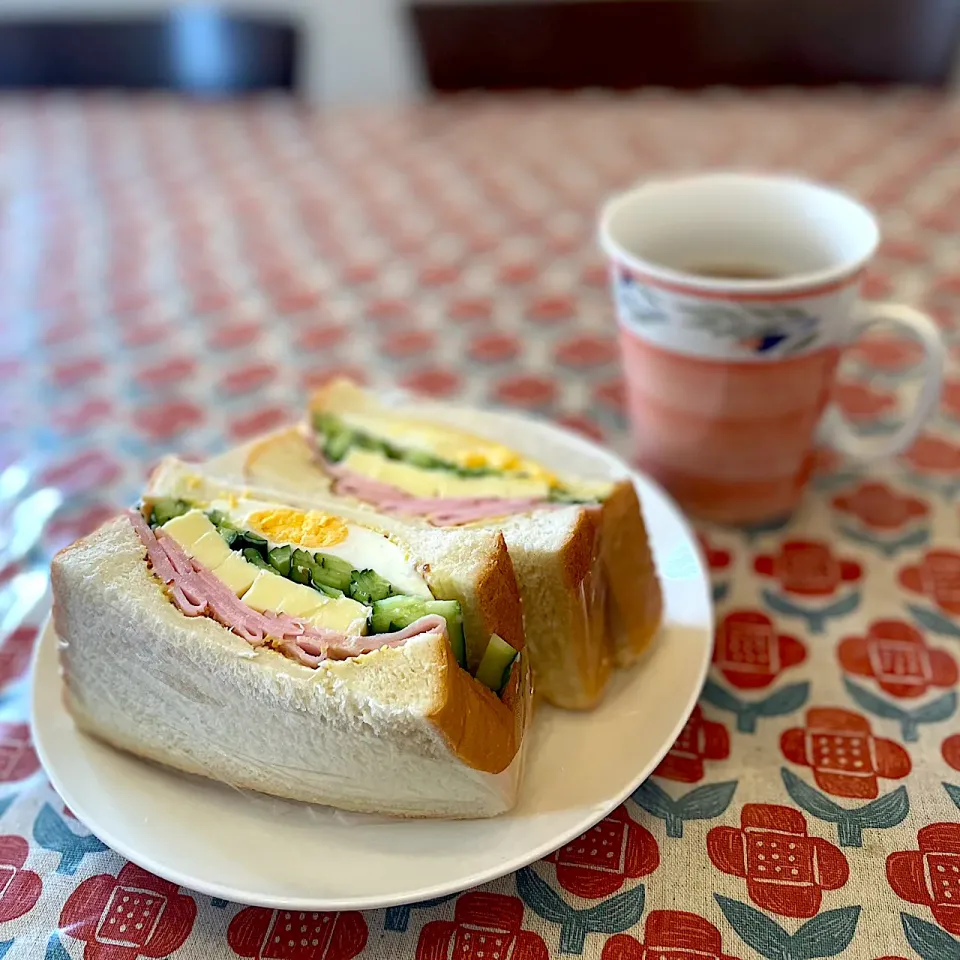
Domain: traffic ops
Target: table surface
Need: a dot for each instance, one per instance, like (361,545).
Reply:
(176,277)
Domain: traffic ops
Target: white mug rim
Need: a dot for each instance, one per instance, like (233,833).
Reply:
(799,282)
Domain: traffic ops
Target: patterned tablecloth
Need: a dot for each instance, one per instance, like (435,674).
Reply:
(176,277)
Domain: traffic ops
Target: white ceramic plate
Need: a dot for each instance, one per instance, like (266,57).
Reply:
(259,850)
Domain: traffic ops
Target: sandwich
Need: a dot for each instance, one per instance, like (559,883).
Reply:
(315,656)
(590,593)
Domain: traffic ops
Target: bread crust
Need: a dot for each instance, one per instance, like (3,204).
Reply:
(577,680)
(481,729)
(634,599)
(498,597)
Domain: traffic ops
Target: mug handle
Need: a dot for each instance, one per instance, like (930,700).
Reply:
(840,435)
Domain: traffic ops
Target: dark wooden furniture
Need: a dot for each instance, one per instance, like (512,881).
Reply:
(686,43)
(197,50)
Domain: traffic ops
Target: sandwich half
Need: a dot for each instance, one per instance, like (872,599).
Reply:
(309,655)
(579,547)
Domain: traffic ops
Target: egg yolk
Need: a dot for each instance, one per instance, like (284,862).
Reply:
(500,458)
(467,450)
(311,529)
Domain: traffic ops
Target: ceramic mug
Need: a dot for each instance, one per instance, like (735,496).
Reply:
(735,295)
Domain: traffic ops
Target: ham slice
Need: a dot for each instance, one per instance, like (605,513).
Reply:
(440,511)
(198,592)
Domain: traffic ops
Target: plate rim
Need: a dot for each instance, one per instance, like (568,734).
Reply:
(465,882)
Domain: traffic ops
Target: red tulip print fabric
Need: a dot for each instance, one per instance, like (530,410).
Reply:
(847,760)
(176,277)
(749,651)
(130,916)
(808,568)
(701,740)
(895,654)
(600,861)
(785,869)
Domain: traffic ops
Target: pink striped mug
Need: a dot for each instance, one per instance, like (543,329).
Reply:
(735,295)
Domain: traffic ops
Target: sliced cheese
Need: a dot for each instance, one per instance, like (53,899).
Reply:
(273,592)
(188,528)
(269,590)
(439,483)
(303,601)
(343,614)
(210,550)
(441,440)
(237,573)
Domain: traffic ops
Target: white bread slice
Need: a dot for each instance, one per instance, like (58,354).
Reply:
(401,731)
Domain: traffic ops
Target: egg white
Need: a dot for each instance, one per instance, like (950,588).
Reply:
(363,548)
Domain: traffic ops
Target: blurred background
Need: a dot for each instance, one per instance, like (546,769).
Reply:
(348,51)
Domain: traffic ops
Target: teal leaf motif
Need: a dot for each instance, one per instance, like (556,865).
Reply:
(398,918)
(754,928)
(53,834)
(826,934)
(701,803)
(928,939)
(880,814)
(615,915)
(720,591)
(813,801)
(55,949)
(833,481)
(943,708)
(654,799)
(933,621)
(754,531)
(779,703)
(721,697)
(953,792)
(937,710)
(6,803)
(785,700)
(706,802)
(872,703)
(889,548)
(816,619)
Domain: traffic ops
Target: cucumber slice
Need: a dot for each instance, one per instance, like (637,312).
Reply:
(229,534)
(166,508)
(561,495)
(254,556)
(494,669)
(450,611)
(325,590)
(224,527)
(367,586)
(332,571)
(248,539)
(395,613)
(301,566)
(327,423)
(279,558)
(426,461)
(330,562)
(337,445)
